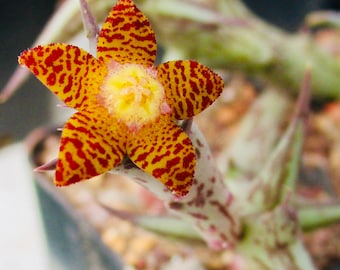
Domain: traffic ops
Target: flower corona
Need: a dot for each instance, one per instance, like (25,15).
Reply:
(133,95)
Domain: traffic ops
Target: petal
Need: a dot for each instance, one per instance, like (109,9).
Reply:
(127,36)
(166,152)
(189,86)
(68,71)
(90,145)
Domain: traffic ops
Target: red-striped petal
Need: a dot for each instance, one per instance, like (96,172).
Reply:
(68,71)
(166,152)
(90,145)
(189,87)
(127,36)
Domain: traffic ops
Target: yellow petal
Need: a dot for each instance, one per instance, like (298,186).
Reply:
(127,36)
(90,145)
(68,71)
(189,87)
(166,152)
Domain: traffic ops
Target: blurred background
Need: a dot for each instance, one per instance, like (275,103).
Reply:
(21,23)
(30,107)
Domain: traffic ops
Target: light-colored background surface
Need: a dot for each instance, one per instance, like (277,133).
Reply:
(22,243)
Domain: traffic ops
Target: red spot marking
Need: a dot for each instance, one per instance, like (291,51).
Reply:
(169,183)
(205,102)
(180,108)
(74,179)
(149,37)
(40,51)
(77,143)
(68,65)
(193,86)
(62,78)
(178,148)
(184,91)
(166,67)
(51,79)
(114,21)
(53,57)
(90,168)
(96,146)
(76,56)
(158,158)
(83,119)
(43,69)
(68,87)
(58,68)
(187,160)
(183,176)
(35,71)
(103,162)
(110,38)
(58,174)
(201,83)
(182,189)
(193,65)
(177,134)
(28,58)
(132,150)
(73,165)
(104,49)
(143,156)
(209,87)
(68,100)
(190,108)
(178,65)
(173,162)
(127,26)
(157,173)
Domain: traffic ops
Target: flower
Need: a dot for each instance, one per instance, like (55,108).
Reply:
(125,104)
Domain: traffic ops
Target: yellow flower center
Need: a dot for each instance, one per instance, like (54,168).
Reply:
(133,94)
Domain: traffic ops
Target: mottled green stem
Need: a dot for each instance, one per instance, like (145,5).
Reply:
(258,132)
(272,241)
(271,229)
(317,216)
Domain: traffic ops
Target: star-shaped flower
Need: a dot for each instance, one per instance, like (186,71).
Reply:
(125,104)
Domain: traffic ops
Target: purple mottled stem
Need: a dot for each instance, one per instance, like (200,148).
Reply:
(208,206)
(90,25)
